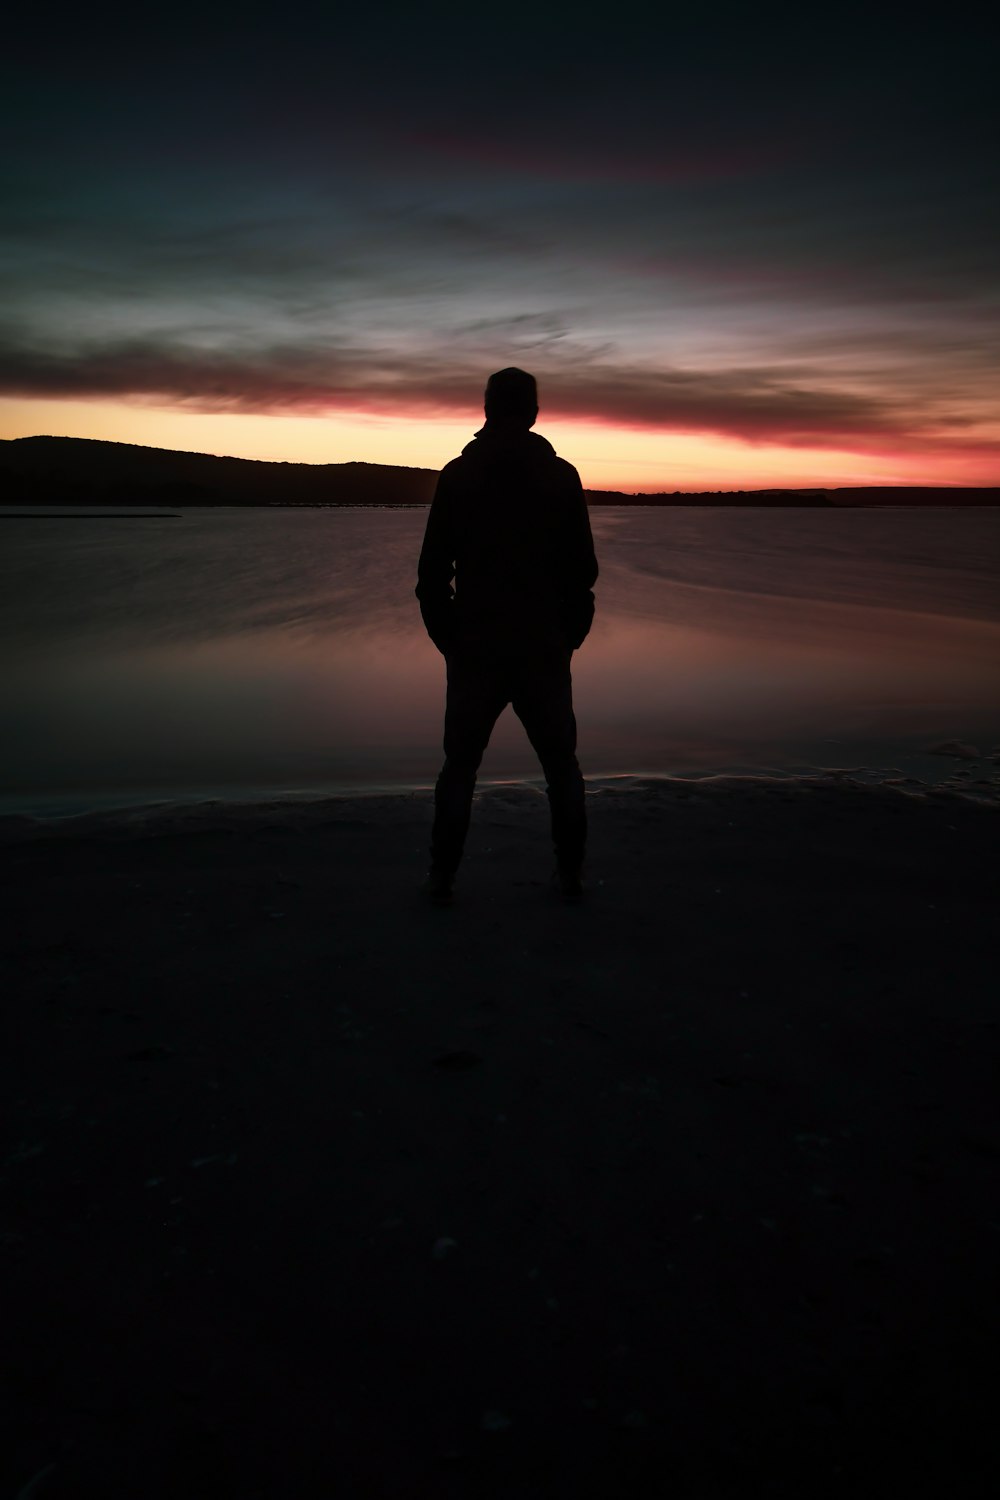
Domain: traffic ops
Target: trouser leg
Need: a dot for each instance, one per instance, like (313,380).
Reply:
(475,700)
(543,701)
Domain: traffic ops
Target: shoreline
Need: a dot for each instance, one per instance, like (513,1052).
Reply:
(709,500)
(963,784)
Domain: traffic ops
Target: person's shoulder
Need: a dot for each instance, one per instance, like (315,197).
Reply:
(543,452)
(569,478)
(452,470)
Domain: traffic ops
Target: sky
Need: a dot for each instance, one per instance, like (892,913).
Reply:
(737,246)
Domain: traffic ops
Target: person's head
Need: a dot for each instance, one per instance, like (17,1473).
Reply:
(511,398)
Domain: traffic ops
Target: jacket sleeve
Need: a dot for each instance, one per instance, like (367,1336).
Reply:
(580,567)
(436,568)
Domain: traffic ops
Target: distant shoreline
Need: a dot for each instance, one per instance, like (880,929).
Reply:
(86,472)
(90,515)
(138,511)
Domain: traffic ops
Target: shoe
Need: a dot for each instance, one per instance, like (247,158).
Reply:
(439,885)
(567,882)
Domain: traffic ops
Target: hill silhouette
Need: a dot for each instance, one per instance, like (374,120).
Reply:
(88,471)
(85,471)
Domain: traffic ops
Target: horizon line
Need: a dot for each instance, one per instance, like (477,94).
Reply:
(422,469)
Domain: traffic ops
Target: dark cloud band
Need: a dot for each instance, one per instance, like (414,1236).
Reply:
(750,405)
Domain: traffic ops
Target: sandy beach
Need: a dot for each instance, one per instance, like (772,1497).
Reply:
(312,1189)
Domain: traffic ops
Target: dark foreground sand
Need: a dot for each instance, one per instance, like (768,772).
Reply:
(311,1190)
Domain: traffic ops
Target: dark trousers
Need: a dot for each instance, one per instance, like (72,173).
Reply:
(539,687)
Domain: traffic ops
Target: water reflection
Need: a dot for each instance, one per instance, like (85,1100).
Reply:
(286,650)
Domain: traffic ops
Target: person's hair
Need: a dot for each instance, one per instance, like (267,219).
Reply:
(511,396)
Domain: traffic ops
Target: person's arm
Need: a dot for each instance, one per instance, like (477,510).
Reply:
(580,564)
(436,568)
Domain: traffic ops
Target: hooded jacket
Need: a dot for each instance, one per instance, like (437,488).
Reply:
(509,524)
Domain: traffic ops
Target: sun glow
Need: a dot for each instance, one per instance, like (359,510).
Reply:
(608,457)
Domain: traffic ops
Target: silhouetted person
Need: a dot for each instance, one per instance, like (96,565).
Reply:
(510,525)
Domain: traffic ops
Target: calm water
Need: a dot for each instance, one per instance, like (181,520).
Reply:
(235,652)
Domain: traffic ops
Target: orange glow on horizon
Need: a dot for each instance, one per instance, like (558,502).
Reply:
(612,458)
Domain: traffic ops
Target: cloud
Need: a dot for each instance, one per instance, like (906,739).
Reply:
(697,222)
(796,408)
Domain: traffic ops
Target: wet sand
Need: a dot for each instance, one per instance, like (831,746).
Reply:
(311,1189)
